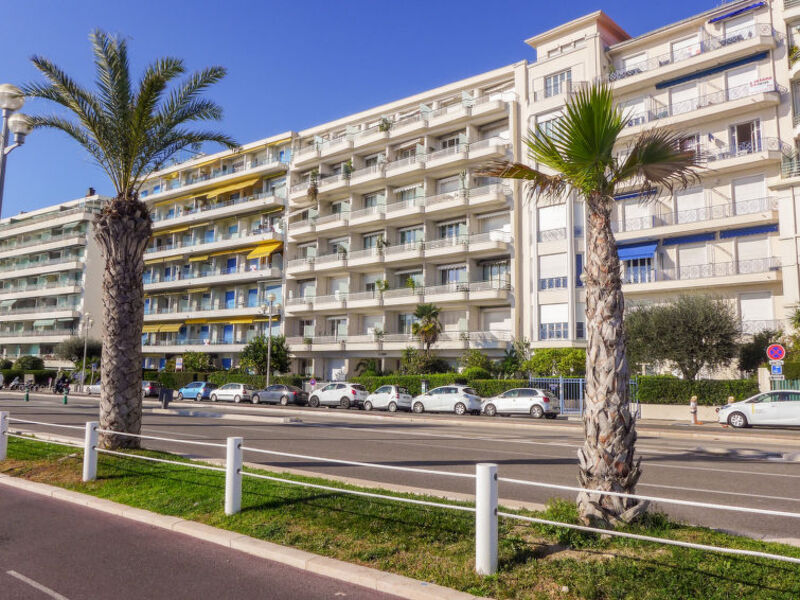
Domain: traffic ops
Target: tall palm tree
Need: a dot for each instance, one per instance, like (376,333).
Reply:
(130,130)
(427,326)
(580,149)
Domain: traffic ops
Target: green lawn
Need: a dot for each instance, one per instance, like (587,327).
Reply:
(429,543)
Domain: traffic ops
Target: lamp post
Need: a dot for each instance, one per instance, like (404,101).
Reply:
(87,322)
(267,308)
(11,100)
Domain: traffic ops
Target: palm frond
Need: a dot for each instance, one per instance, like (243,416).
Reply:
(538,183)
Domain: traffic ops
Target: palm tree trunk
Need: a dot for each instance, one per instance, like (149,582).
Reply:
(607,457)
(122,231)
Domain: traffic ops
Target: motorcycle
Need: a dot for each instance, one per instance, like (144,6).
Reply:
(61,388)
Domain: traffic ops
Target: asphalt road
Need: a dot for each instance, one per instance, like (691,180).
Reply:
(54,549)
(733,470)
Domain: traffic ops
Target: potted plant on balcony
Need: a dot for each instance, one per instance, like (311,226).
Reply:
(341,251)
(307,341)
(347,168)
(385,124)
(381,243)
(412,284)
(381,285)
(313,185)
(378,334)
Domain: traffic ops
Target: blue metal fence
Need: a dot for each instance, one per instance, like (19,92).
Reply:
(570,392)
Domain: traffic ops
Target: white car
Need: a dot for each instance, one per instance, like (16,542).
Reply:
(389,397)
(340,394)
(237,392)
(92,390)
(779,407)
(522,401)
(448,398)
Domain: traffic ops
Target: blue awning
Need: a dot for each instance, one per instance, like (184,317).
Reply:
(689,239)
(634,195)
(711,70)
(729,233)
(637,250)
(738,11)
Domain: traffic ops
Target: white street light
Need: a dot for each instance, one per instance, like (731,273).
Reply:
(11,100)
(87,323)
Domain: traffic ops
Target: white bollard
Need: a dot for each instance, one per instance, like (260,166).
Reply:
(233,476)
(90,451)
(486,518)
(3,435)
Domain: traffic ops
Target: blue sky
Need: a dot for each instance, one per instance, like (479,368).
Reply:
(290,64)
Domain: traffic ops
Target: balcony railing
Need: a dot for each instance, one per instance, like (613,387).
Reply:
(419,290)
(553,235)
(187,341)
(467,337)
(90,207)
(38,242)
(10,289)
(280,196)
(35,333)
(706,45)
(753,327)
(645,274)
(553,331)
(202,241)
(566,88)
(192,307)
(368,212)
(405,162)
(685,106)
(552,283)
(37,264)
(265,272)
(39,309)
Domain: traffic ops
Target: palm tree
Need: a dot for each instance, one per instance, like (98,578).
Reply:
(427,325)
(129,133)
(579,148)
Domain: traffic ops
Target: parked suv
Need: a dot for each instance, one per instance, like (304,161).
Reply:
(534,402)
(340,393)
(459,399)
(389,397)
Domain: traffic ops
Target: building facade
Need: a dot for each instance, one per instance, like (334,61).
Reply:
(50,269)
(353,223)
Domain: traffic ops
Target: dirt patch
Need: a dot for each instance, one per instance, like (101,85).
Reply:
(64,471)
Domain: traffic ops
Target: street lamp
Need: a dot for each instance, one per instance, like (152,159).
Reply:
(87,323)
(11,100)
(267,308)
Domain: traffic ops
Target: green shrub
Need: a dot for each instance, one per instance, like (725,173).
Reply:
(492,387)
(40,376)
(179,379)
(476,373)
(666,389)
(29,363)
(791,370)
(412,382)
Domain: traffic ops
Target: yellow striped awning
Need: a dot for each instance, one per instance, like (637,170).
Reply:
(152,261)
(232,187)
(173,200)
(279,142)
(265,319)
(195,226)
(177,229)
(196,321)
(221,252)
(198,258)
(205,163)
(150,328)
(264,249)
(170,328)
(240,320)
(176,257)
(198,290)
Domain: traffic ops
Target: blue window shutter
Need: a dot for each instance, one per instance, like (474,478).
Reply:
(712,70)
(637,250)
(578,269)
(689,239)
(749,231)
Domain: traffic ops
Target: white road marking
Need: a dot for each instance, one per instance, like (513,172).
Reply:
(37,585)
(691,489)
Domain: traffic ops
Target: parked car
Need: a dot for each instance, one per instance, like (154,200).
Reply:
(389,397)
(459,399)
(237,392)
(92,390)
(340,394)
(520,401)
(197,390)
(150,388)
(779,407)
(280,394)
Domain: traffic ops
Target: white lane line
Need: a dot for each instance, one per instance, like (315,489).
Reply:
(37,585)
(181,434)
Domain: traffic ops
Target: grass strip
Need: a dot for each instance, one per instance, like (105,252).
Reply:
(428,543)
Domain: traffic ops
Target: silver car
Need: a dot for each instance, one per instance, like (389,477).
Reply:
(458,399)
(237,392)
(389,397)
(779,407)
(522,401)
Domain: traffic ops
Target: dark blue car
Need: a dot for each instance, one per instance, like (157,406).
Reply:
(197,390)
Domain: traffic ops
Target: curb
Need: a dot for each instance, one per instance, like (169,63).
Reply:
(224,416)
(389,583)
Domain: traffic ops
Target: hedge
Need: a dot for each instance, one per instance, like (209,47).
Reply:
(181,378)
(666,389)
(791,370)
(40,376)
(484,387)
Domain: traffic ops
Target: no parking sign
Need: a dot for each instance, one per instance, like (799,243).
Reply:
(776,352)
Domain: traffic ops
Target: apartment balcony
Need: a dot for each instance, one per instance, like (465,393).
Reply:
(754,327)
(330,262)
(336,146)
(220,242)
(406,166)
(51,288)
(450,202)
(736,273)
(180,345)
(404,296)
(368,217)
(181,311)
(733,101)
(218,210)
(449,115)
(791,10)
(306,156)
(746,154)
(368,137)
(490,242)
(334,183)
(197,184)
(449,157)
(475,292)
(371,299)
(39,312)
(366,257)
(331,222)
(331,302)
(222,276)
(300,266)
(367,175)
(411,125)
(41,267)
(55,242)
(492,106)
(25,224)
(298,193)
(709,51)
(302,229)
(489,196)
(710,217)
(299,304)
(39,336)
(491,148)
(408,210)
(397,342)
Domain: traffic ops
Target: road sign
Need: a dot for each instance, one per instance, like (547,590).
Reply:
(777,377)
(179,363)
(776,352)
(776,370)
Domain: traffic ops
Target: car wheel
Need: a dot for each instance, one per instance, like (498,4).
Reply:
(313,402)
(213,397)
(536,411)
(737,420)
(490,410)
(419,408)
(255,399)
(367,405)
(344,402)
(180,397)
(459,408)
(237,399)
(392,406)
(284,400)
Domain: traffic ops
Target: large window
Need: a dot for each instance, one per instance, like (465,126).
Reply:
(553,321)
(553,271)
(639,270)
(452,274)
(405,322)
(558,83)
(746,137)
(495,271)
(410,235)
(452,229)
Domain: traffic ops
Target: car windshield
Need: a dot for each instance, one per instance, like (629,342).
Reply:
(470,391)
(358,387)
(402,390)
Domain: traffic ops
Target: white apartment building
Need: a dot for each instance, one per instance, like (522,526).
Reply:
(216,252)
(50,269)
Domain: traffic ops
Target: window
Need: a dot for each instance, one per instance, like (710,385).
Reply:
(495,271)
(685,48)
(639,270)
(547,121)
(739,28)
(752,249)
(449,142)
(553,271)
(748,194)
(448,185)
(755,308)
(635,111)
(452,230)
(558,83)
(683,98)
(452,274)
(552,217)
(370,200)
(408,194)
(404,323)
(634,64)
(746,137)
(693,261)
(638,214)
(403,278)
(690,205)
(371,240)
(410,236)
(738,81)
(553,321)
(690,143)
